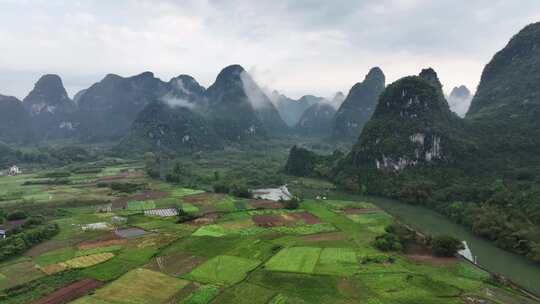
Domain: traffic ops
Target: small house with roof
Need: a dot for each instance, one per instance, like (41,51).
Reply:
(14,170)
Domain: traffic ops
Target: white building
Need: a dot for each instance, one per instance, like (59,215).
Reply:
(3,234)
(14,170)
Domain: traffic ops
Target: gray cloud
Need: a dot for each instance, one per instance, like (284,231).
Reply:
(302,47)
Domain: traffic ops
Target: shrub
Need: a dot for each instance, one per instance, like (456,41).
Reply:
(388,242)
(18,243)
(34,221)
(57,174)
(395,239)
(16,215)
(49,181)
(126,187)
(183,216)
(377,259)
(241,191)
(151,165)
(292,204)
(445,246)
(221,188)
(87,170)
(404,234)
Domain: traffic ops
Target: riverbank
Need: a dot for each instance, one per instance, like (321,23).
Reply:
(489,257)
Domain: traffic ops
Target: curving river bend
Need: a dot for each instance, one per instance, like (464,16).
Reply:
(513,266)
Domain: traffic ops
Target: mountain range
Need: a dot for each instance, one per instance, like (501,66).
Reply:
(358,106)
(481,170)
(129,109)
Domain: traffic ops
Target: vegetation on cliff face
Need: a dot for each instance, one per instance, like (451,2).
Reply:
(317,120)
(358,106)
(238,108)
(14,121)
(171,128)
(485,176)
(50,108)
(411,125)
(505,110)
(481,171)
(303,162)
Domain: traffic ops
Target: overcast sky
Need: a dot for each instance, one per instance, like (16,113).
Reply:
(296,47)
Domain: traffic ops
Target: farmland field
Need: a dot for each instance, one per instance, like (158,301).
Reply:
(223,269)
(295,259)
(138,286)
(226,250)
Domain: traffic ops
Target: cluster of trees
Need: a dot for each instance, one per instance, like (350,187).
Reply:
(397,237)
(34,232)
(303,162)
(445,246)
(238,190)
(503,209)
(127,187)
(240,175)
(48,181)
(183,216)
(13,216)
(45,155)
(293,203)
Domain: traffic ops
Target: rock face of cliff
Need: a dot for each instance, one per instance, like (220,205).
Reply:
(358,106)
(50,108)
(239,109)
(411,125)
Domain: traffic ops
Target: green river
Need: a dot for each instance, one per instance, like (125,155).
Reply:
(515,267)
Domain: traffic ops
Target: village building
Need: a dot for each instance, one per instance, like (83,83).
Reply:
(14,170)
(3,233)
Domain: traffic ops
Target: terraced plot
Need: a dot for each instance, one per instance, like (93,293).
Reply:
(295,259)
(18,273)
(137,286)
(223,269)
(243,251)
(337,261)
(140,205)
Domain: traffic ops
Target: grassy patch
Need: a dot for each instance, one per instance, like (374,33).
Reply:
(223,269)
(203,295)
(245,293)
(337,261)
(97,250)
(190,208)
(295,259)
(18,273)
(138,286)
(210,230)
(31,291)
(88,260)
(120,264)
(181,192)
(140,205)
(56,256)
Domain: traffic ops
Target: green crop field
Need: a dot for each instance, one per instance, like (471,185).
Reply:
(88,260)
(138,286)
(140,205)
(295,259)
(225,252)
(203,295)
(337,261)
(223,269)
